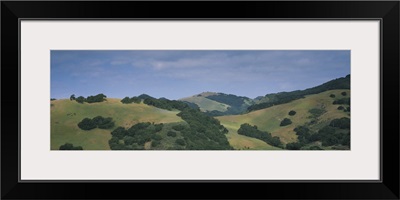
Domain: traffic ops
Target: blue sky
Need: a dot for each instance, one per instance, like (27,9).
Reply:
(175,74)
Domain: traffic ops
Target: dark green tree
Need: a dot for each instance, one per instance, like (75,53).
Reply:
(87,124)
(180,142)
(292,113)
(171,134)
(119,132)
(72,97)
(293,146)
(69,146)
(126,100)
(80,99)
(342,123)
(285,122)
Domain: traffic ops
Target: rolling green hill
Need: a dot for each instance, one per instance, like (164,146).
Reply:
(206,104)
(269,119)
(66,114)
(200,132)
(218,104)
(286,97)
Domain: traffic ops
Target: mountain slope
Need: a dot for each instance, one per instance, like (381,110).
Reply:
(66,114)
(206,104)
(217,104)
(285,97)
(269,119)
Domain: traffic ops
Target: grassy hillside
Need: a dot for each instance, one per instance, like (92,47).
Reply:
(66,114)
(269,119)
(219,104)
(286,97)
(206,104)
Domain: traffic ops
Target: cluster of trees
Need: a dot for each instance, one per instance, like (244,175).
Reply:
(69,146)
(128,100)
(191,105)
(203,133)
(171,134)
(285,122)
(285,97)
(342,123)
(135,137)
(343,101)
(96,122)
(330,136)
(298,146)
(337,133)
(163,103)
(252,131)
(89,99)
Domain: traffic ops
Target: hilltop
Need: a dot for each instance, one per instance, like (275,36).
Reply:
(218,104)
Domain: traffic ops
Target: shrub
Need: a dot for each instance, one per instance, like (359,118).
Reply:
(332,96)
(80,99)
(157,137)
(340,108)
(342,123)
(171,134)
(69,146)
(292,112)
(180,142)
(119,132)
(178,127)
(345,101)
(293,146)
(155,143)
(344,93)
(87,124)
(285,122)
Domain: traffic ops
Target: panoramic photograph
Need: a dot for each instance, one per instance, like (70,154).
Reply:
(200,100)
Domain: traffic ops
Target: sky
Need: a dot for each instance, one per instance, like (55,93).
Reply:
(176,74)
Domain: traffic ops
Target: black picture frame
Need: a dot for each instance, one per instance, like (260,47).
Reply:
(386,11)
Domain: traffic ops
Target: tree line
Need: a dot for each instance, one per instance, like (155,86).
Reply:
(90,99)
(134,137)
(69,146)
(128,100)
(252,131)
(337,133)
(96,122)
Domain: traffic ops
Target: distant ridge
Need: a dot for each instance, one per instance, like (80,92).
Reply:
(285,97)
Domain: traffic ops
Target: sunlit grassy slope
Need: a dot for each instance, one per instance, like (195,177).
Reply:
(66,114)
(206,104)
(269,119)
